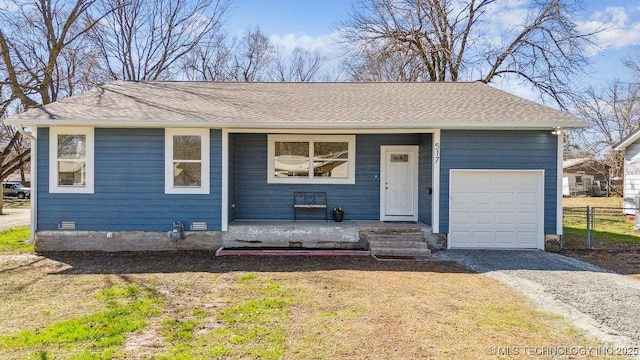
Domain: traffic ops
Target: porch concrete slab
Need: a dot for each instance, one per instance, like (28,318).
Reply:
(372,225)
(289,234)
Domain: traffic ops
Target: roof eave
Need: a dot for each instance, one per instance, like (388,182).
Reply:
(450,125)
(624,143)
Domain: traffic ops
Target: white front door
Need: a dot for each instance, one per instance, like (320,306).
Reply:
(399,183)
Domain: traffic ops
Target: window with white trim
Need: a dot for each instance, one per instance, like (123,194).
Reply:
(187,161)
(311,159)
(71,160)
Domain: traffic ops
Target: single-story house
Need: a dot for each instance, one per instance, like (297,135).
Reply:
(631,172)
(116,167)
(584,177)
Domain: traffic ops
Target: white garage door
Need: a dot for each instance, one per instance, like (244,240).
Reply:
(492,209)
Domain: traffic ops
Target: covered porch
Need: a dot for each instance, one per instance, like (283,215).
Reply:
(258,188)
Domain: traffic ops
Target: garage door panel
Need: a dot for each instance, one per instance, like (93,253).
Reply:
(483,218)
(483,198)
(504,238)
(504,198)
(507,218)
(526,182)
(482,237)
(527,198)
(462,199)
(496,209)
(527,218)
(465,238)
(461,217)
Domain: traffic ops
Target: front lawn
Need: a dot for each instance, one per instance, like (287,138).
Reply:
(196,306)
(13,241)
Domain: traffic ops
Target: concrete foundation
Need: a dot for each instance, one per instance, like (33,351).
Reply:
(347,235)
(73,240)
(286,234)
(552,243)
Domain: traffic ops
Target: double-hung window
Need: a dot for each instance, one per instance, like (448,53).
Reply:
(187,161)
(71,160)
(311,159)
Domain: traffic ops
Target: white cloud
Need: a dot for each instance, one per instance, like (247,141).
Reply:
(506,15)
(287,42)
(516,87)
(326,44)
(615,31)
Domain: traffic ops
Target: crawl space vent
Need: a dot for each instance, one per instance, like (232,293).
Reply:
(198,226)
(67,225)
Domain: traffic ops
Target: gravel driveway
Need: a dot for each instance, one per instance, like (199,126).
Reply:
(12,218)
(604,304)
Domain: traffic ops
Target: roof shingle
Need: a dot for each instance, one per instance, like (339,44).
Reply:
(298,105)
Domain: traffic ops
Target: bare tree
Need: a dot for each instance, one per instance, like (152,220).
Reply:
(374,64)
(446,36)
(613,113)
(300,66)
(146,39)
(209,62)
(40,55)
(33,38)
(253,55)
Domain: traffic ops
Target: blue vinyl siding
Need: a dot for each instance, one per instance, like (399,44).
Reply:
(129,186)
(514,150)
(425,179)
(255,199)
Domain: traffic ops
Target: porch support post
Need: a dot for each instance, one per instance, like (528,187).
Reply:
(435,158)
(560,151)
(224,212)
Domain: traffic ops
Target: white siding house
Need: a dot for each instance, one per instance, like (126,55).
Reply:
(631,183)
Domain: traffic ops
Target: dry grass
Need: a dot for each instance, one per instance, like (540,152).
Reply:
(347,308)
(592,201)
(13,203)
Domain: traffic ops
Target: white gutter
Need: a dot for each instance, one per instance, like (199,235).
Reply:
(343,125)
(34,181)
(559,175)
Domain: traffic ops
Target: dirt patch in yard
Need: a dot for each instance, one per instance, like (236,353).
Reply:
(623,259)
(330,307)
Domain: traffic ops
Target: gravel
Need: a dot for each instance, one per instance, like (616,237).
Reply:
(12,218)
(604,304)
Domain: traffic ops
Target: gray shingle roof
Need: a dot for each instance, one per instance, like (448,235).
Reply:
(298,105)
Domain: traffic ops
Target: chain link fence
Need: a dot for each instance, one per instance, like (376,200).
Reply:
(598,228)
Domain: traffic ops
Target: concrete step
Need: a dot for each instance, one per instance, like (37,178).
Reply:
(397,239)
(385,251)
(398,243)
(397,232)
(393,237)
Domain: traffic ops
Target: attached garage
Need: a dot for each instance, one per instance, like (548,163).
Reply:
(492,209)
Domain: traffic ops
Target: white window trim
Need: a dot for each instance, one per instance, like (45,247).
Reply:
(204,187)
(349,139)
(88,132)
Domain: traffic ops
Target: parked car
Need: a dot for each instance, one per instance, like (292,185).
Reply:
(14,188)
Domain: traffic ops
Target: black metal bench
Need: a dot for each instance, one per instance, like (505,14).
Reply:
(305,200)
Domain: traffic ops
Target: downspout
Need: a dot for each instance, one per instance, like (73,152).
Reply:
(34,182)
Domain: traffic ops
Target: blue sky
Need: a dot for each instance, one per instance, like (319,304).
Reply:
(312,24)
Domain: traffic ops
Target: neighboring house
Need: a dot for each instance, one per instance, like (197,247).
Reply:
(116,166)
(631,178)
(584,177)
